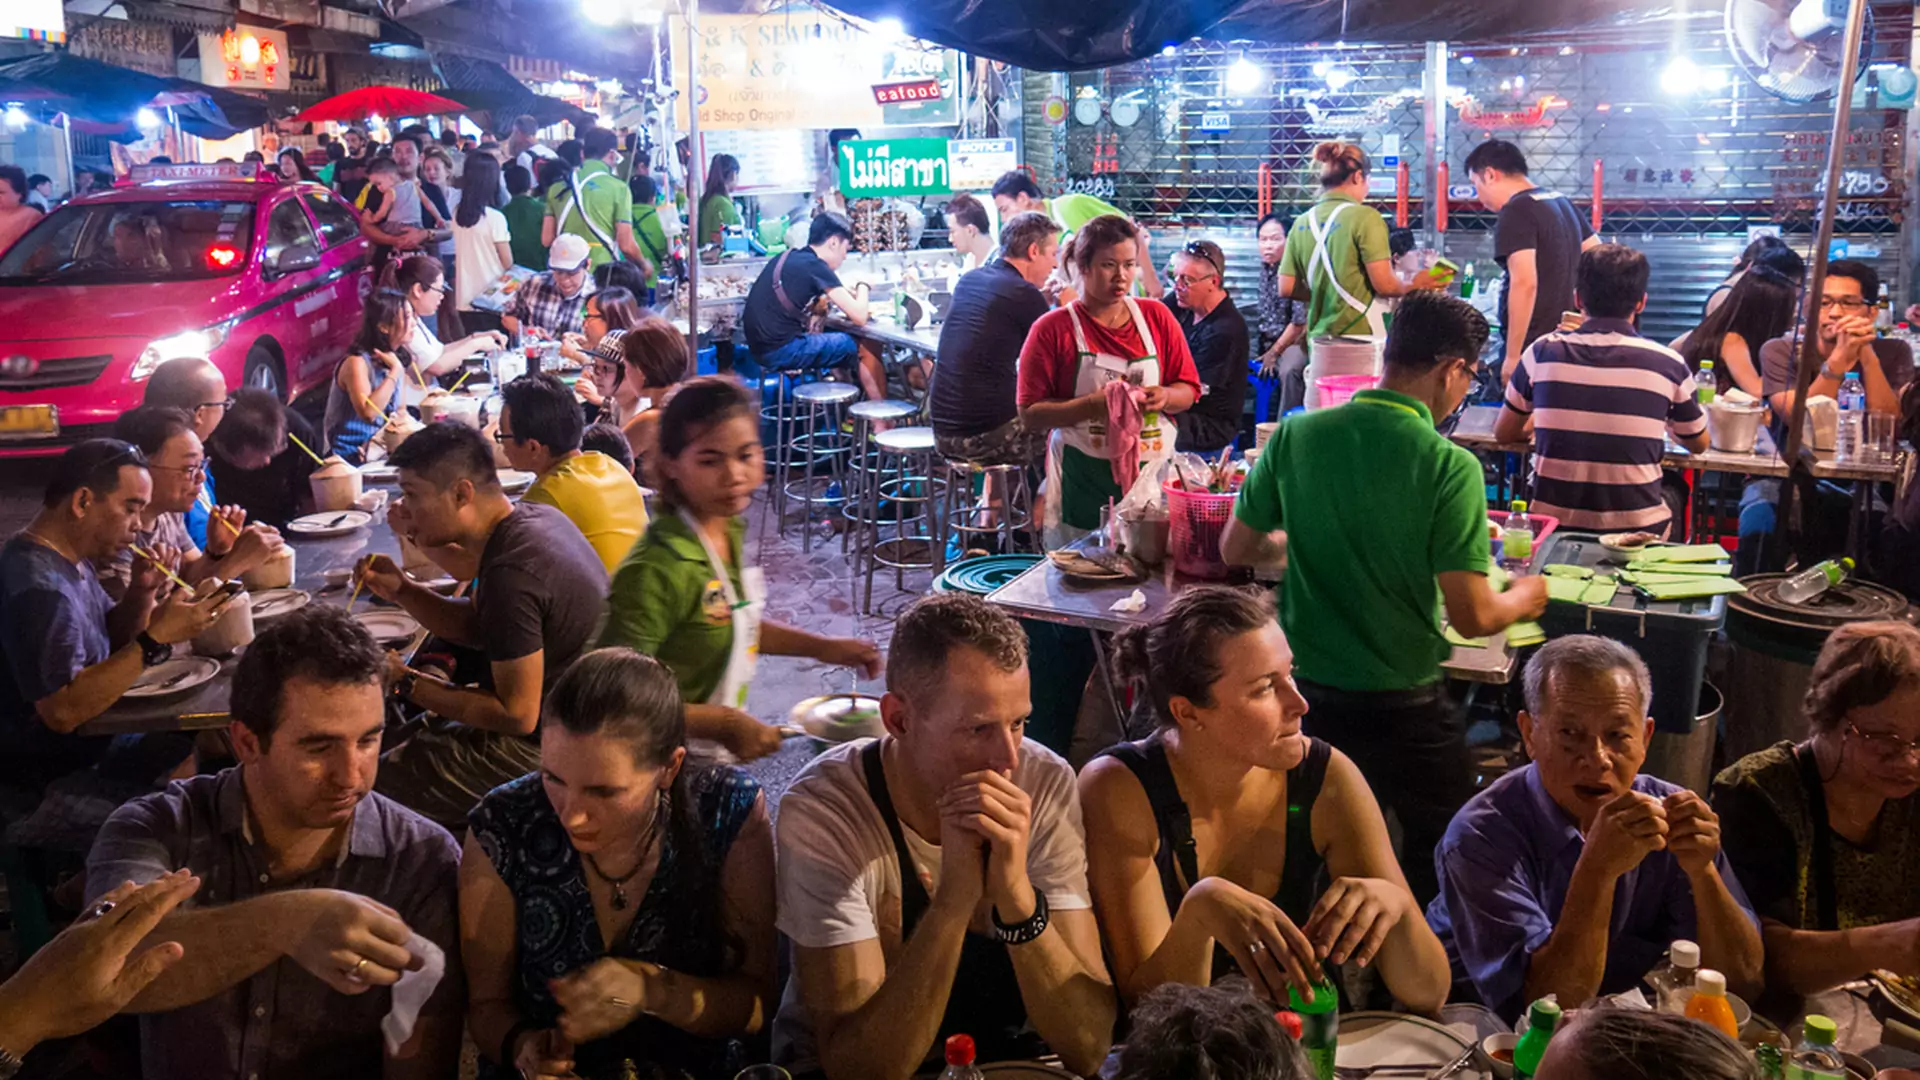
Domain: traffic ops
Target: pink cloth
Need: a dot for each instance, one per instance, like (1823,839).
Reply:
(1123,433)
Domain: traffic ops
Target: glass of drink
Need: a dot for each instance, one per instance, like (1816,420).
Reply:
(762,1072)
(1880,441)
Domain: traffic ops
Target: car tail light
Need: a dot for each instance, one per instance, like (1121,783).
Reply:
(222,256)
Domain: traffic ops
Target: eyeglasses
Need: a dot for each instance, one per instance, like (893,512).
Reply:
(192,472)
(503,436)
(1185,282)
(223,406)
(1845,303)
(1205,249)
(593,315)
(1883,746)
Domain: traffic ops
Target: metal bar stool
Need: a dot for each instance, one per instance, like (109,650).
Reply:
(783,415)
(1013,509)
(908,479)
(863,464)
(816,440)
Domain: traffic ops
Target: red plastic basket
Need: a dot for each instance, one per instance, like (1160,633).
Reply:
(1339,389)
(1198,519)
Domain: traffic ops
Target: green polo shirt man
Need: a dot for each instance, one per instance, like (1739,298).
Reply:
(607,202)
(1357,236)
(1385,523)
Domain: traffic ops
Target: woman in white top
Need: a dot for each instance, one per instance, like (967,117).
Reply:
(423,282)
(480,238)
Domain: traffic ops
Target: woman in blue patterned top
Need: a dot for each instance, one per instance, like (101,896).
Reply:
(616,907)
(368,383)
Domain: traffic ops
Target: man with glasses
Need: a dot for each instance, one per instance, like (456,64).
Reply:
(178,465)
(195,385)
(71,651)
(553,303)
(1217,337)
(1359,590)
(1601,401)
(1847,343)
(1571,875)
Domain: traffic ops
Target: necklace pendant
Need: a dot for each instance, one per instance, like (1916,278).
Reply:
(619,899)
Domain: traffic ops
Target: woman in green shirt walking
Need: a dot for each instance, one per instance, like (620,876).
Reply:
(716,204)
(1338,252)
(685,594)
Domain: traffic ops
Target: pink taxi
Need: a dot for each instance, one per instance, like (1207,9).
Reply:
(264,278)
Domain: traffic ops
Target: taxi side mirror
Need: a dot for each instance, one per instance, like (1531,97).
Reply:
(294,258)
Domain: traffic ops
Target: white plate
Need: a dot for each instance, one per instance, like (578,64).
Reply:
(513,480)
(158,680)
(388,627)
(1377,1038)
(818,716)
(379,474)
(275,603)
(331,523)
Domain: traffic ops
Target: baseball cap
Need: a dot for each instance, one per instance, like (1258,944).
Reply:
(568,252)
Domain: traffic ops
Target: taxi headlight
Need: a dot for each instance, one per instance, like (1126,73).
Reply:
(187,343)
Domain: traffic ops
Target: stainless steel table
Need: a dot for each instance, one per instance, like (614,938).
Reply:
(207,706)
(921,339)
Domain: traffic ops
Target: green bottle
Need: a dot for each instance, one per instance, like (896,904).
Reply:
(1772,1067)
(1319,1025)
(1542,1017)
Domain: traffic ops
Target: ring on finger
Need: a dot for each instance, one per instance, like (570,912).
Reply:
(1257,946)
(354,971)
(100,910)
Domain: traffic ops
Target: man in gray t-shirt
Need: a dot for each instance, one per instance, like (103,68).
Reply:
(1847,343)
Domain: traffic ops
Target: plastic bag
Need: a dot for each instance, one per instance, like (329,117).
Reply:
(1147,499)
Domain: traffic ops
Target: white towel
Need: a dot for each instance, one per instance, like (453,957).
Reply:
(410,994)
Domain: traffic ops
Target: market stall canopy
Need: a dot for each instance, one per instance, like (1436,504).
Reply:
(1101,33)
(485,85)
(86,90)
(379,100)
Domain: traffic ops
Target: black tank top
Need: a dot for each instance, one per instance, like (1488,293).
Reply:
(1300,877)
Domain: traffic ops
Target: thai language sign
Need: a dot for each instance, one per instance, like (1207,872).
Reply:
(873,168)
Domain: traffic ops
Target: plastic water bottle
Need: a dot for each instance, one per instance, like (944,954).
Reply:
(1817,1057)
(1673,980)
(1704,383)
(1516,538)
(1542,1017)
(1853,413)
(1811,582)
(1319,1026)
(960,1064)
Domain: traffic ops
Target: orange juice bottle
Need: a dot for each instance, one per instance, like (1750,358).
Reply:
(1709,1003)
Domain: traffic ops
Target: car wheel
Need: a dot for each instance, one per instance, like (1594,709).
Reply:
(263,372)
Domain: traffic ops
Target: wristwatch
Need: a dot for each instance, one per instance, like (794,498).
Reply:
(151,653)
(1021,932)
(9,1065)
(402,689)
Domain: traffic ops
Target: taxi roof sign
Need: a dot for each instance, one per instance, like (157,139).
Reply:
(231,170)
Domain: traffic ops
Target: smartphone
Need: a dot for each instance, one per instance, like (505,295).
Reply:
(225,593)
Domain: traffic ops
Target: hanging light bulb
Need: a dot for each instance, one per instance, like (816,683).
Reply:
(146,119)
(602,12)
(1244,76)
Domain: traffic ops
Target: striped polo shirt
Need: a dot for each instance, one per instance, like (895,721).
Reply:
(1602,399)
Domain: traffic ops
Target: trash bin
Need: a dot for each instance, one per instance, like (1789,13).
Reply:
(1686,758)
(1670,635)
(1774,646)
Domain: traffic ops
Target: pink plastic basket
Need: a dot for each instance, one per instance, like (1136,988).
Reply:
(1198,519)
(1339,389)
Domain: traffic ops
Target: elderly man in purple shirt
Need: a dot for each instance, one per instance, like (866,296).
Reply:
(318,894)
(1571,876)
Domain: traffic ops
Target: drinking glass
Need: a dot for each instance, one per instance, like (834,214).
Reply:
(1879,438)
(763,1072)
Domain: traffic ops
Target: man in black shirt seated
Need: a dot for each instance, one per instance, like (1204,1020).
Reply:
(1217,337)
(782,302)
(972,404)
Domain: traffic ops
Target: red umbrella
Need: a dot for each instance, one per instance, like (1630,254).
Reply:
(381,100)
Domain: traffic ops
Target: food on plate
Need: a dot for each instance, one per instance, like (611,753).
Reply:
(1628,541)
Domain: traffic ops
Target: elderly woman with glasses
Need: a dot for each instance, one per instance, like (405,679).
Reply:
(612,308)
(1825,833)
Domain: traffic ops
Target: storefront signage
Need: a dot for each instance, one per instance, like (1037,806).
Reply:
(34,20)
(1100,187)
(810,69)
(245,57)
(876,168)
(973,164)
(917,90)
(1055,110)
(1871,185)
(142,46)
(1539,114)
(1216,121)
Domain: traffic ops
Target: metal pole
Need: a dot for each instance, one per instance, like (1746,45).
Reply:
(66,126)
(695,178)
(1810,359)
(1435,144)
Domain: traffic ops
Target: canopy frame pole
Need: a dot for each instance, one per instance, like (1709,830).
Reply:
(1435,140)
(1773,555)
(695,183)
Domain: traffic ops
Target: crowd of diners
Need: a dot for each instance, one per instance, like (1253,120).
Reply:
(582,887)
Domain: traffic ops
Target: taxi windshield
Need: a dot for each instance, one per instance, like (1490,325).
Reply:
(132,242)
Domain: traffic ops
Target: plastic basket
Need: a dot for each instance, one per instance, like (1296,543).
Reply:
(1198,519)
(1339,389)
